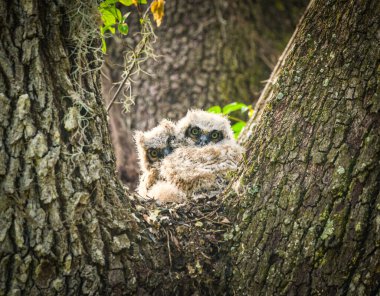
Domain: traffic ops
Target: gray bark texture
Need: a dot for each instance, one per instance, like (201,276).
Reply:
(307,202)
(57,165)
(209,53)
(300,218)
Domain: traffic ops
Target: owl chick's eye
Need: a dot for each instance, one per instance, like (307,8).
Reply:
(194,131)
(216,136)
(153,154)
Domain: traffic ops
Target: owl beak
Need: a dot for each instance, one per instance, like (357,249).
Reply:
(203,140)
(167,151)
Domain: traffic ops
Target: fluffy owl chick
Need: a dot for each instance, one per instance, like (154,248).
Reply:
(208,153)
(198,169)
(200,128)
(152,147)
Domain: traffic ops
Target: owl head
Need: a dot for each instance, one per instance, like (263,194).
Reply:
(200,128)
(155,144)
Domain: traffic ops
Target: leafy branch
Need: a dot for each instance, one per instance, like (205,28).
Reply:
(113,19)
(239,124)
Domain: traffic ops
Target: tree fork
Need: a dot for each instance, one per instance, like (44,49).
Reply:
(304,207)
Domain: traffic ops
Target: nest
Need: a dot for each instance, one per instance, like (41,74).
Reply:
(193,234)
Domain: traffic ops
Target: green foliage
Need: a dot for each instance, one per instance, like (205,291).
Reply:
(131,2)
(237,127)
(233,107)
(215,109)
(238,124)
(123,28)
(112,18)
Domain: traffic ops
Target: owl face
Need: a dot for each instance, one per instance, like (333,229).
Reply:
(201,137)
(154,145)
(200,128)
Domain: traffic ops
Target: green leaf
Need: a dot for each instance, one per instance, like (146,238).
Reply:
(108,3)
(107,17)
(237,128)
(110,14)
(104,46)
(244,109)
(118,15)
(142,1)
(107,28)
(123,29)
(215,109)
(233,107)
(126,2)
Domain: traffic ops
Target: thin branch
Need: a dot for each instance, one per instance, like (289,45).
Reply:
(131,67)
(235,118)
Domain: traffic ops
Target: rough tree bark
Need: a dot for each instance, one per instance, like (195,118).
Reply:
(57,165)
(305,206)
(307,203)
(210,53)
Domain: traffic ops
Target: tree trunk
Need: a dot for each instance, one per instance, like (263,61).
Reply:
(57,165)
(307,202)
(209,53)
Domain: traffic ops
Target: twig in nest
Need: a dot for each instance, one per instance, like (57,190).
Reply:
(207,215)
(216,222)
(168,244)
(204,255)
